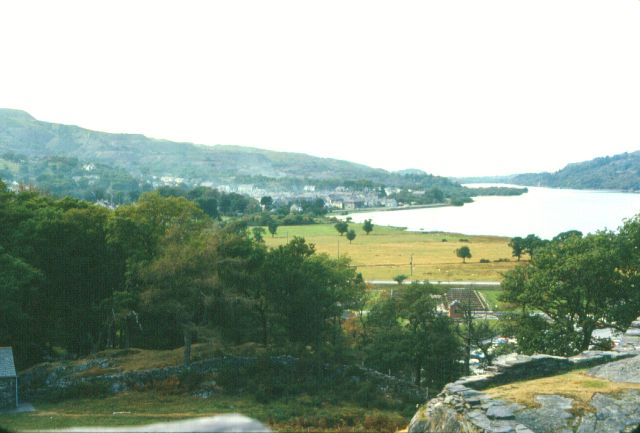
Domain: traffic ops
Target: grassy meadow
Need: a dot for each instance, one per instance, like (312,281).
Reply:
(386,252)
(136,408)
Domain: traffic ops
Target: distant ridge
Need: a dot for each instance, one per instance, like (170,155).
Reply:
(97,166)
(21,133)
(617,172)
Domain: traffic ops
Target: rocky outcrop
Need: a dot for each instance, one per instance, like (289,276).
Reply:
(460,409)
(463,407)
(631,338)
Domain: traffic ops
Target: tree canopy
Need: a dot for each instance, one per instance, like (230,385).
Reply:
(579,284)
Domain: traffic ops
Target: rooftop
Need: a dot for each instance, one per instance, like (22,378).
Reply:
(7,367)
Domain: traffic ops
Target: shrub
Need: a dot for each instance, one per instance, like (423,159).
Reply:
(189,380)
(383,423)
(81,390)
(485,261)
(602,344)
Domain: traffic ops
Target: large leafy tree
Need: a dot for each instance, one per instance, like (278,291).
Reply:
(407,336)
(341,227)
(517,247)
(579,284)
(367,226)
(179,285)
(464,253)
(20,287)
(308,292)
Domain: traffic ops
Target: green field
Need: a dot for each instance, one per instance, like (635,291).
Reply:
(387,252)
(303,413)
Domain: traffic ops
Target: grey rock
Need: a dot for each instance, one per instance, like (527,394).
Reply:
(479,419)
(502,427)
(625,370)
(448,399)
(633,332)
(500,412)
(521,428)
(455,388)
(587,424)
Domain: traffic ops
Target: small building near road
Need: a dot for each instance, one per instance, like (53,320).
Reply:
(8,380)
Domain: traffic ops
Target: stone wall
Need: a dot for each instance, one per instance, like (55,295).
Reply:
(462,407)
(8,393)
(47,380)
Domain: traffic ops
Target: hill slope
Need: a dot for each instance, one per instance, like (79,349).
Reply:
(610,172)
(20,133)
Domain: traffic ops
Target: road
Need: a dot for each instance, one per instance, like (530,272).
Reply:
(444,283)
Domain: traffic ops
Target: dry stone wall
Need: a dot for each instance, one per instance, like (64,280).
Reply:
(462,407)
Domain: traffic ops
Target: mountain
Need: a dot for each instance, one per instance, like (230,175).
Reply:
(620,172)
(21,134)
(69,160)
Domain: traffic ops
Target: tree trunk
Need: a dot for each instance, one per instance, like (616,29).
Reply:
(187,348)
(418,373)
(587,330)
(264,322)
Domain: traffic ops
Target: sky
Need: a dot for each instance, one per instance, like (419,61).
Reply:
(452,87)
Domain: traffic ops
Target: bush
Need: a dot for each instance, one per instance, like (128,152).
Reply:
(485,261)
(383,423)
(189,380)
(81,390)
(602,344)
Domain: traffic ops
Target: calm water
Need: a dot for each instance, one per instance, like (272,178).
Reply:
(543,211)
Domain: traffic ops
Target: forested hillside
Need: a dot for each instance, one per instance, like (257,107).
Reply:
(21,134)
(76,278)
(69,160)
(610,172)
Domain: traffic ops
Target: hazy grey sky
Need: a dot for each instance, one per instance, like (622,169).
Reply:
(453,87)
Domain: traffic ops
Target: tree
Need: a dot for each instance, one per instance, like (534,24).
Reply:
(258,233)
(464,253)
(531,243)
(266,201)
(308,293)
(367,226)
(566,235)
(273,227)
(180,284)
(342,227)
(580,284)
(399,278)
(517,247)
(20,291)
(409,338)
(351,235)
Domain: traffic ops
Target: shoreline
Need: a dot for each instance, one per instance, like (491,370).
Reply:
(343,213)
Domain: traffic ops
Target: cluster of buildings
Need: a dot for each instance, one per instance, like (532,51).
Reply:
(339,198)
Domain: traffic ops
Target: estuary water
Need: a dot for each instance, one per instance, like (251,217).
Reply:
(542,211)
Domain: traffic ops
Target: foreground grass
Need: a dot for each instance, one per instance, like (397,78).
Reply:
(303,413)
(387,251)
(577,385)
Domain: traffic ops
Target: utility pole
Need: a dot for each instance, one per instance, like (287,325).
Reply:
(411,265)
